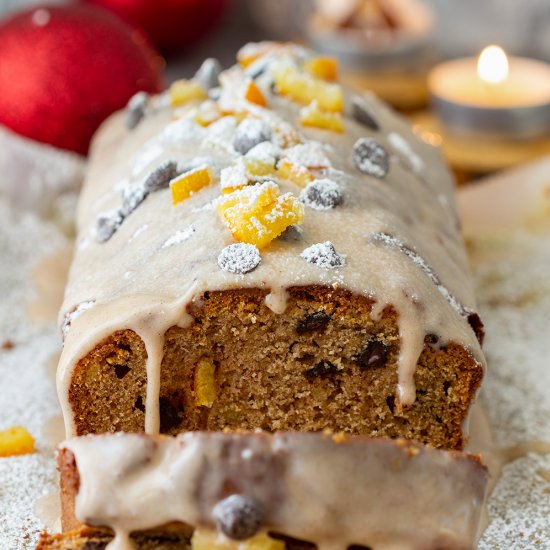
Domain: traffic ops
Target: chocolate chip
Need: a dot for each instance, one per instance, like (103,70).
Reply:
(238,517)
(390,402)
(121,371)
(132,197)
(371,158)
(107,225)
(135,109)
(321,370)
(239,258)
(314,321)
(373,356)
(323,255)
(208,74)
(322,194)
(362,113)
(249,133)
(138,404)
(171,412)
(160,177)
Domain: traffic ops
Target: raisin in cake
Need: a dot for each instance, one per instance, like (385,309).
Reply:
(261,248)
(260,491)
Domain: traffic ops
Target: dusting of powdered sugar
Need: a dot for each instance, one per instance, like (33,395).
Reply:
(239,258)
(511,276)
(310,154)
(404,149)
(265,152)
(178,237)
(75,313)
(389,240)
(323,255)
(29,398)
(233,176)
(321,194)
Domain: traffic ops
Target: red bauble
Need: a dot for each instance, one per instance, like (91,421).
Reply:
(63,70)
(170,24)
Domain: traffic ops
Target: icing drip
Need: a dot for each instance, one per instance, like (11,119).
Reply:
(411,334)
(276,300)
(334,492)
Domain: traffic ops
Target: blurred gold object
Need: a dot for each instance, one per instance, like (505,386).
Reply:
(471,157)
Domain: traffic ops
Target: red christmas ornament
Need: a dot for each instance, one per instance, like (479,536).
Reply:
(170,24)
(63,70)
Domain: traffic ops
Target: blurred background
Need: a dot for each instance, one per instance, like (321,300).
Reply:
(66,65)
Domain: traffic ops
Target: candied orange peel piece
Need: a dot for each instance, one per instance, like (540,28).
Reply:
(258,168)
(206,539)
(258,214)
(15,441)
(190,182)
(205,383)
(323,67)
(234,177)
(182,91)
(207,113)
(247,54)
(315,117)
(294,173)
(253,94)
(304,88)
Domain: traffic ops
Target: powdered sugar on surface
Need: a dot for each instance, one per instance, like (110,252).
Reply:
(178,237)
(28,394)
(511,270)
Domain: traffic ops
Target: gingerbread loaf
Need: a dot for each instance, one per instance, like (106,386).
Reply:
(295,491)
(262,248)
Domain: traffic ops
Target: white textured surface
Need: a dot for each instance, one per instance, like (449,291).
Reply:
(511,273)
(28,396)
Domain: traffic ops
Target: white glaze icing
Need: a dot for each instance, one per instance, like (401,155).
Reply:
(379,493)
(406,205)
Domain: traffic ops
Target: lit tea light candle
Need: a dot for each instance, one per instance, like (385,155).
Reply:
(493,96)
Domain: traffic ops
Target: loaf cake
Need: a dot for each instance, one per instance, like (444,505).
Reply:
(261,491)
(263,249)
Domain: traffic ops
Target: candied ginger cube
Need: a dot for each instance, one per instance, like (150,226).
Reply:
(205,383)
(295,173)
(16,441)
(323,67)
(315,117)
(304,88)
(182,91)
(258,168)
(233,177)
(207,113)
(254,94)
(252,52)
(206,539)
(190,182)
(258,214)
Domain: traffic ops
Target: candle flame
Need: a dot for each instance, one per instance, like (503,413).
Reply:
(492,66)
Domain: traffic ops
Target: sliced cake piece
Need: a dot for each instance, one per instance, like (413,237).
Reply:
(270,492)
